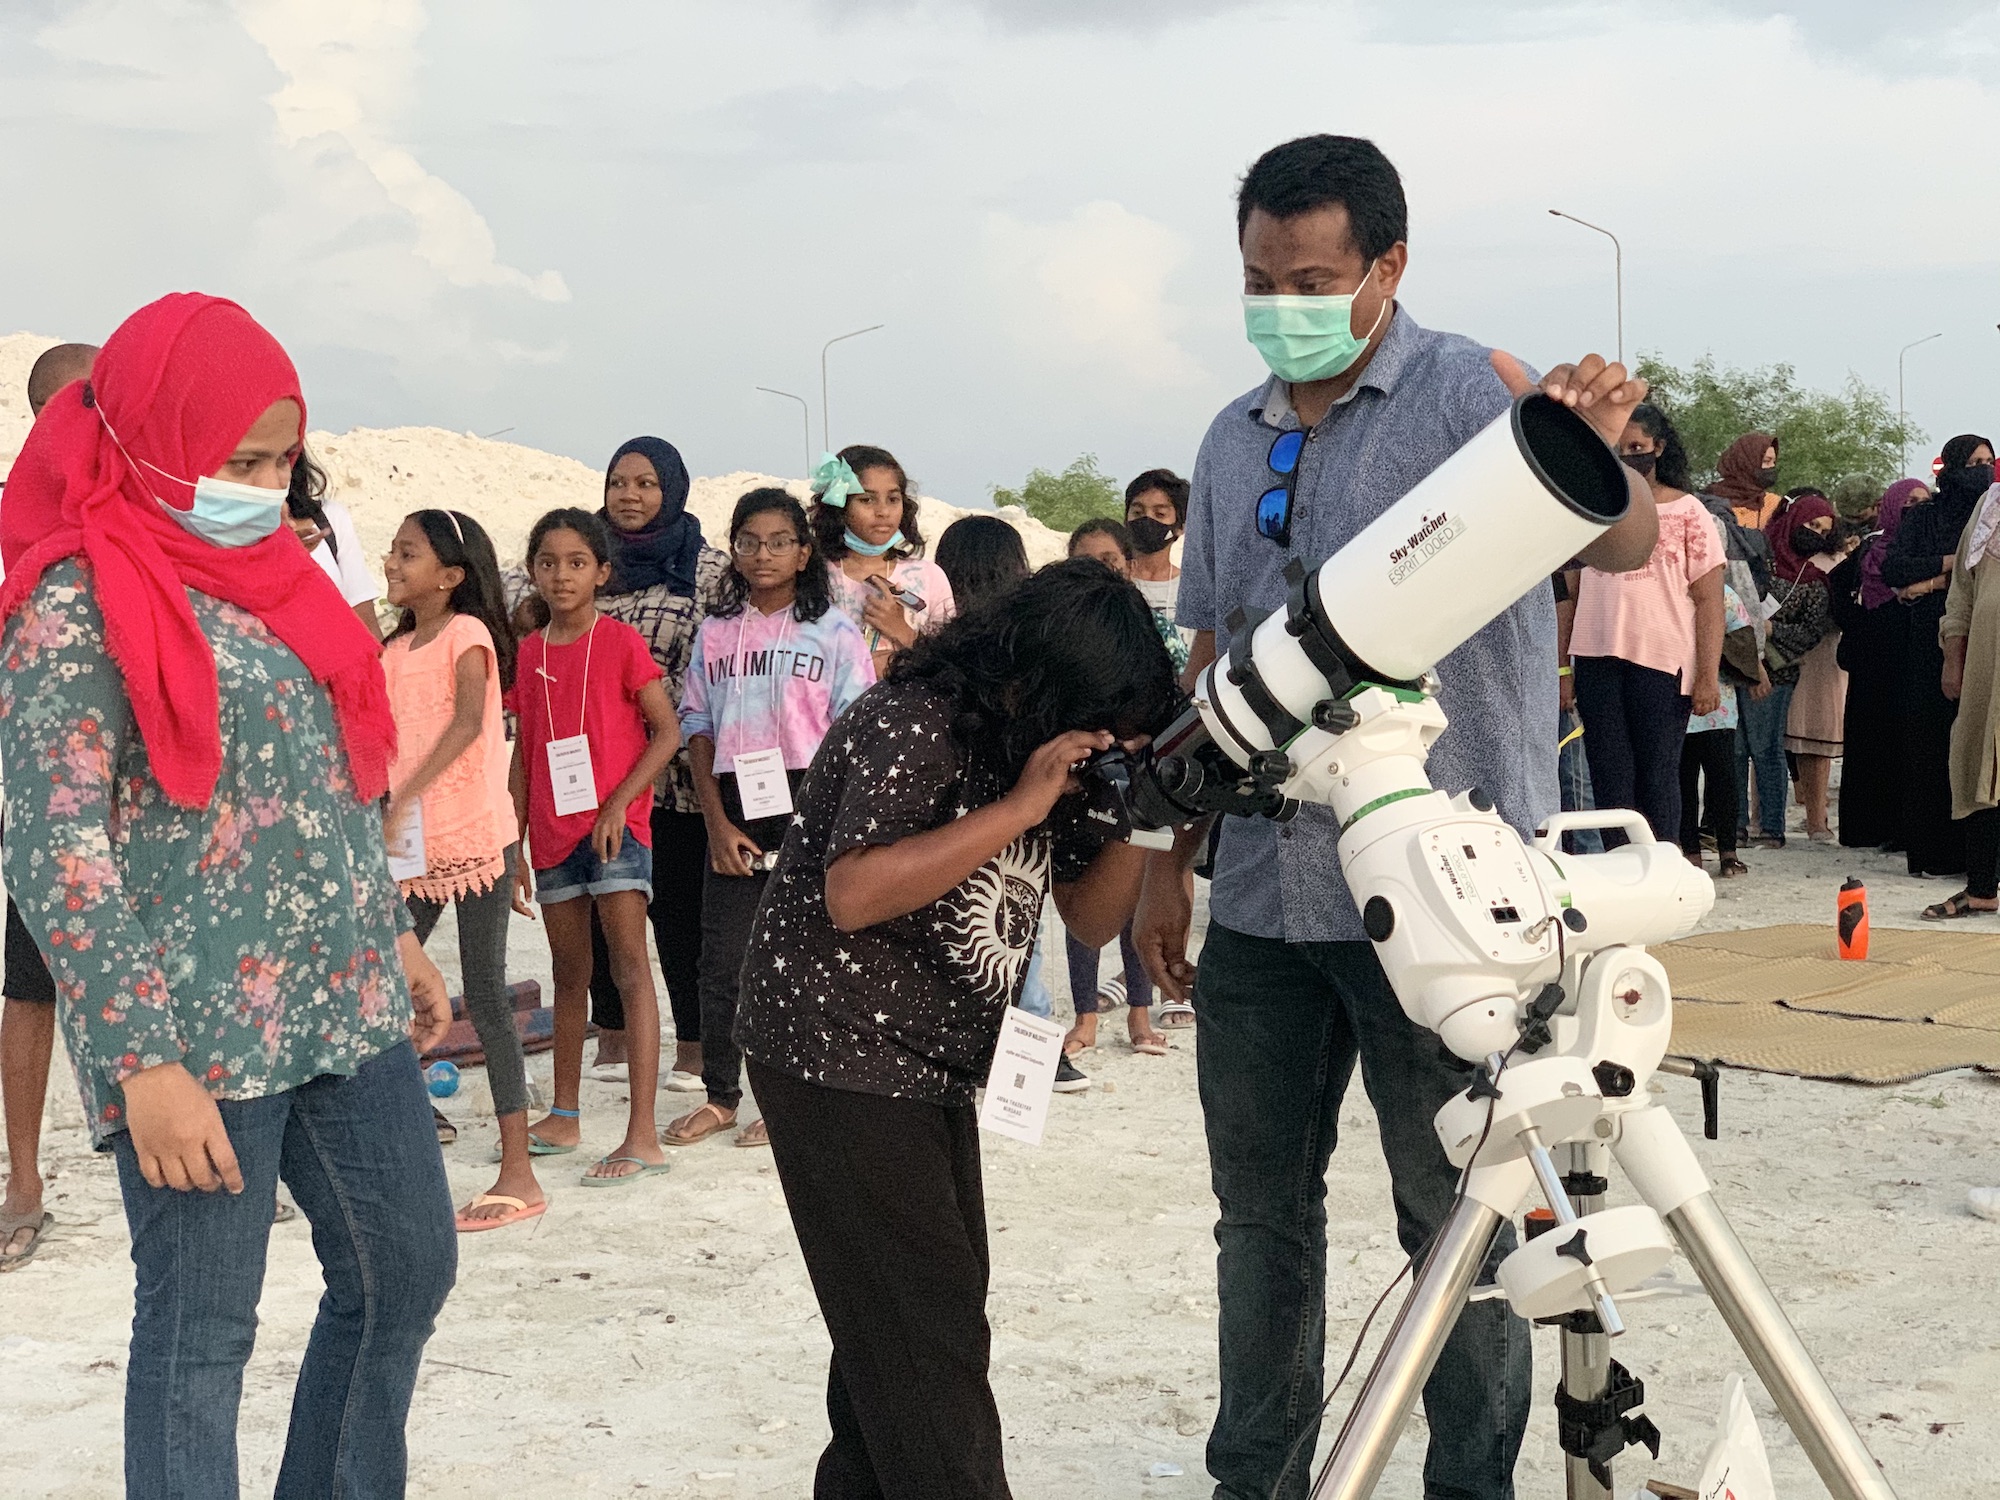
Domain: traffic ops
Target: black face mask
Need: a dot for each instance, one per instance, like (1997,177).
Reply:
(1806,542)
(1767,477)
(1979,476)
(1641,463)
(1149,536)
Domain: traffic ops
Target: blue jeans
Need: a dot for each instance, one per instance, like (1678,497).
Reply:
(1760,745)
(360,1155)
(1573,773)
(1282,1026)
(1035,997)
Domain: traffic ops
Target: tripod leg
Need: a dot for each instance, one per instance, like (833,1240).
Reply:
(1410,1352)
(1782,1362)
(1586,1357)
(1662,1166)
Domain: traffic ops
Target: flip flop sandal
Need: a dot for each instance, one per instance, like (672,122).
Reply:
(522,1209)
(1111,993)
(677,1082)
(611,1072)
(753,1135)
(539,1147)
(646,1169)
(1731,868)
(1952,908)
(714,1120)
(11,1225)
(285,1213)
(447,1132)
(1153,1047)
(1174,1015)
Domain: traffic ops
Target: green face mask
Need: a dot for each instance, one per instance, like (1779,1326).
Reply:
(1307,338)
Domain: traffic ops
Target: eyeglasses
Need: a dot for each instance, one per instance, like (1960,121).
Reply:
(1274,506)
(777,546)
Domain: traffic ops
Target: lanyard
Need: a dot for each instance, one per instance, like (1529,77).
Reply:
(589,645)
(777,686)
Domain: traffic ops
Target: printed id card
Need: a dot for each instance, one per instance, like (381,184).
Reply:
(1022,1078)
(406,845)
(761,783)
(571,776)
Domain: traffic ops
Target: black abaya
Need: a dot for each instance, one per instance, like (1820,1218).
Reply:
(1874,651)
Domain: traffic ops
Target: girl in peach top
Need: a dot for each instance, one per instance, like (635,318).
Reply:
(451,817)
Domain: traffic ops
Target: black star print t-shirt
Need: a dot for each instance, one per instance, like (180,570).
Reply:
(910,1007)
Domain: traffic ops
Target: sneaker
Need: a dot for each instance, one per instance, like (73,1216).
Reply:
(678,1082)
(1070,1079)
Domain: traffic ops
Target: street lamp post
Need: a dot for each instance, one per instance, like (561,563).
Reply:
(825,426)
(1618,251)
(805,421)
(1899,394)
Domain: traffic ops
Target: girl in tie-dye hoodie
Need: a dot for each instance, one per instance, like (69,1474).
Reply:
(773,667)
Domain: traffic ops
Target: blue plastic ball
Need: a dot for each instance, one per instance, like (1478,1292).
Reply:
(442,1078)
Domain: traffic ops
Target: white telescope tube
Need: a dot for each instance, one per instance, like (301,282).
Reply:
(1529,492)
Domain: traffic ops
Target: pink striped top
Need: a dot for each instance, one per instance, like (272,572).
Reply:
(1647,616)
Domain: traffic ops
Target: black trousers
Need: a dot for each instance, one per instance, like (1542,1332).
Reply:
(728,912)
(886,1200)
(1634,719)
(1710,753)
(680,863)
(1982,852)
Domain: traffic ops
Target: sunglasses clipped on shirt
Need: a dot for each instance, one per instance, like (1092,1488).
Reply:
(1274,506)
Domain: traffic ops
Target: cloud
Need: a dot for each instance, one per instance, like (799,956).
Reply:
(1092,290)
(347,65)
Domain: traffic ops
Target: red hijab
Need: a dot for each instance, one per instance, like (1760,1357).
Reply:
(182,380)
(1786,561)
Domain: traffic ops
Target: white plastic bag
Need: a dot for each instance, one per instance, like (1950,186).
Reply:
(1736,1467)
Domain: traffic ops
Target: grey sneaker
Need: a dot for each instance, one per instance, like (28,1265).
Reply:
(1070,1079)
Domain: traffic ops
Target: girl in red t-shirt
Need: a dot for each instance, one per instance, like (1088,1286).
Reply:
(597,729)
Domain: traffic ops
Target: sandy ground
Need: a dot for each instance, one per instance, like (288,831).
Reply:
(665,1340)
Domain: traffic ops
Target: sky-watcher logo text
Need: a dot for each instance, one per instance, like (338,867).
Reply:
(1426,542)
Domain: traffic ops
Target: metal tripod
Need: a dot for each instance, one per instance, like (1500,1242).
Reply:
(1650,1149)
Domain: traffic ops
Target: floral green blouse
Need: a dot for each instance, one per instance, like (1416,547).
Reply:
(252,941)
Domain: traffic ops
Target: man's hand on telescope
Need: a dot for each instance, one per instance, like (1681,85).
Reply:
(1602,393)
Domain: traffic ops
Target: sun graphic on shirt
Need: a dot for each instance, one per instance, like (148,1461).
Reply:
(988,924)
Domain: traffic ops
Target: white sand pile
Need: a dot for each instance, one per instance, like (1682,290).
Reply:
(382,474)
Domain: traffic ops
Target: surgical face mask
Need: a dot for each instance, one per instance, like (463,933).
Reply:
(1641,463)
(872,549)
(1149,535)
(1304,339)
(227,514)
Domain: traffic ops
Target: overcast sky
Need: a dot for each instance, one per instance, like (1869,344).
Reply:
(587,220)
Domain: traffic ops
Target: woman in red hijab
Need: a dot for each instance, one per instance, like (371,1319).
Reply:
(197,736)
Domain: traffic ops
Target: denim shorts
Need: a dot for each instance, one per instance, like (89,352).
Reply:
(584,874)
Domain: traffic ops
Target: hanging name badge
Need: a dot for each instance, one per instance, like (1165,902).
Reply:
(405,843)
(762,784)
(1023,1076)
(571,776)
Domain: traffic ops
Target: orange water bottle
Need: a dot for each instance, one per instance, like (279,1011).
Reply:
(1851,908)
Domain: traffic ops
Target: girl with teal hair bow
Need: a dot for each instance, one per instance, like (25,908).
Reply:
(865,524)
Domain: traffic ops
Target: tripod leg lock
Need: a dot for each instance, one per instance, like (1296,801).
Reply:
(1598,1431)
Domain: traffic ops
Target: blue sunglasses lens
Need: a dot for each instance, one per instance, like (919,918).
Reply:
(1274,513)
(1285,452)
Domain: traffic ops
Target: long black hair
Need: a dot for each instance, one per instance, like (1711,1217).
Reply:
(1671,467)
(983,557)
(305,498)
(829,522)
(1072,647)
(815,591)
(461,542)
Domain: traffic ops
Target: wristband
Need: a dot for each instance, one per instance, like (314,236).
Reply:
(1565,671)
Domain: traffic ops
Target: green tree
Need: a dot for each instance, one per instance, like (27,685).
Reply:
(1064,501)
(1821,434)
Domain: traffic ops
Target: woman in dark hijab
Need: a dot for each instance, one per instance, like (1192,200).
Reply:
(1918,566)
(1874,651)
(1744,475)
(664,576)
